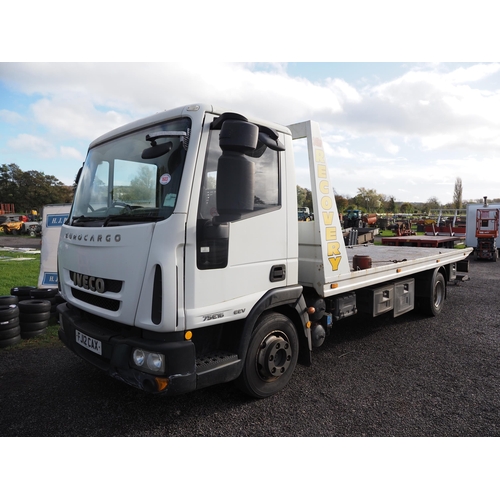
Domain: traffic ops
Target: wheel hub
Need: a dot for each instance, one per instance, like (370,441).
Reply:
(274,356)
(438,294)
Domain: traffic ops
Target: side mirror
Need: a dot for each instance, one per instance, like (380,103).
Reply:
(235,172)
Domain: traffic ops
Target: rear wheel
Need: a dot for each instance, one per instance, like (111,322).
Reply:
(271,356)
(433,302)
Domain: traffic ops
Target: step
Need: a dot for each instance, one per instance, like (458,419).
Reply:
(214,360)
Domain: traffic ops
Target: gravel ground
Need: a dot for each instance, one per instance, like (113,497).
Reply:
(409,376)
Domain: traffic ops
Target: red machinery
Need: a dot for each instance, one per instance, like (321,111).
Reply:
(487,232)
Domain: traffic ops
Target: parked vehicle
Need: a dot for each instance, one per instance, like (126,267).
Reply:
(183,265)
(19,224)
(304,214)
(356,218)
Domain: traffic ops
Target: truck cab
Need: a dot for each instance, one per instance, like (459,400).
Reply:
(180,225)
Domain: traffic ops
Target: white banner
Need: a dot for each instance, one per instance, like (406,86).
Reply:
(53,218)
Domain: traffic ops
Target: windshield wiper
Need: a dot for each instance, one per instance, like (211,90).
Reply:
(131,217)
(82,220)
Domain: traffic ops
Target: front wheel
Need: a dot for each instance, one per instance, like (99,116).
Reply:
(271,357)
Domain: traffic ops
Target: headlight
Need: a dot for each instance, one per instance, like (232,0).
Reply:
(155,361)
(139,357)
(151,362)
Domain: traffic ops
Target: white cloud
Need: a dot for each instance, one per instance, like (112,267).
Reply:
(76,117)
(70,153)
(473,73)
(10,116)
(389,146)
(40,147)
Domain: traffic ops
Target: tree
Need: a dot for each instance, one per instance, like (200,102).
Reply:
(31,190)
(390,205)
(368,199)
(342,203)
(304,197)
(432,203)
(142,187)
(457,193)
(406,208)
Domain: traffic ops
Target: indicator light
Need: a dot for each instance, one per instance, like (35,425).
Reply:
(161,383)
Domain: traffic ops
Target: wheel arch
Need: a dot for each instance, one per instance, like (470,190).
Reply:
(288,301)
(422,279)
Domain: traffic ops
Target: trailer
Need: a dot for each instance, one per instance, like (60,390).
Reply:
(183,264)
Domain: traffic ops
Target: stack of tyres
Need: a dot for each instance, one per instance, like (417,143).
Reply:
(10,330)
(34,315)
(50,294)
(22,292)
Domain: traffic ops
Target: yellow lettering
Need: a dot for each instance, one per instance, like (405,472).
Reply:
(327,218)
(334,262)
(333,248)
(322,171)
(326,203)
(323,187)
(320,155)
(330,234)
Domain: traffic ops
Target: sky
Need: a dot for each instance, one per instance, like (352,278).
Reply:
(405,129)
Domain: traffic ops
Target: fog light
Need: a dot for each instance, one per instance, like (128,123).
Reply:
(138,357)
(155,361)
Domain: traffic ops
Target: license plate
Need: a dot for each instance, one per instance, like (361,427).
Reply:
(88,342)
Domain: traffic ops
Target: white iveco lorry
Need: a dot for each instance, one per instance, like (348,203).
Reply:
(183,264)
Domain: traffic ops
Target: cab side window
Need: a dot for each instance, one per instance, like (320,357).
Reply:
(267,187)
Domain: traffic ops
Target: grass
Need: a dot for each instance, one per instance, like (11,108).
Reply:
(25,273)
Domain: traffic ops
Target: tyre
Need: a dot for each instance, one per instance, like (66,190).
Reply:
(432,301)
(35,325)
(22,291)
(8,324)
(34,317)
(43,293)
(271,357)
(6,300)
(8,312)
(32,334)
(9,342)
(32,306)
(10,333)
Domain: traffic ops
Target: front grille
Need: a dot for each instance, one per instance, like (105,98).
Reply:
(113,286)
(96,300)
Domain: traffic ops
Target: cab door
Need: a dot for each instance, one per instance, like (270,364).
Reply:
(231,265)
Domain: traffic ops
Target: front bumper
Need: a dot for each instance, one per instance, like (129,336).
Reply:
(116,357)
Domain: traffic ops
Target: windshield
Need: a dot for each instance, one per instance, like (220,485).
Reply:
(132,179)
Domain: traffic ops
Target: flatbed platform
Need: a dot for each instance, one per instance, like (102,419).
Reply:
(386,255)
(390,262)
(423,241)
